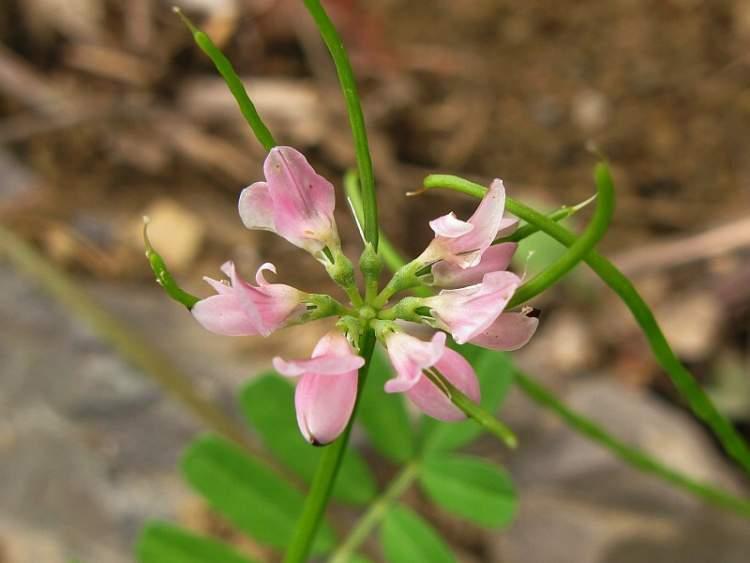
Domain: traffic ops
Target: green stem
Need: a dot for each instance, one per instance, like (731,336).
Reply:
(456,184)
(558,215)
(391,257)
(233,81)
(371,273)
(472,410)
(335,45)
(354,197)
(628,454)
(605,207)
(683,380)
(377,511)
(353,294)
(325,475)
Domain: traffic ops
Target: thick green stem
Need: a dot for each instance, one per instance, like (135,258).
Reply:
(335,45)
(328,467)
(683,380)
(233,81)
(626,453)
(320,490)
(377,511)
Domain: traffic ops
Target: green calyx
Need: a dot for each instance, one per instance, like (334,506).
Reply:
(409,309)
(341,271)
(383,328)
(405,278)
(320,306)
(370,262)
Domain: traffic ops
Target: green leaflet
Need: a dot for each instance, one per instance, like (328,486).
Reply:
(250,495)
(164,543)
(471,488)
(407,538)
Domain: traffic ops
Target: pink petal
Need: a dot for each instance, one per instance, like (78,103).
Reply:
(432,401)
(333,355)
(303,201)
(510,331)
(334,343)
(260,278)
(507,226)
(223,314)
(327,390)
(409,356)
(228,269)
(468,311)
(491,208)
(219,286)
(495,258)
(256,207)
(247,309)
(271,305)
(322,365)
(276,305)
(486,220)
(449,226)
(456,243)
(324,404)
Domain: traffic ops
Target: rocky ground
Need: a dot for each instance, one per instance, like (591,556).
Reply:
(90,446)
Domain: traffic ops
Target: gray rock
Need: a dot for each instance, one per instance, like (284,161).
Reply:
(581,505)
(91,444)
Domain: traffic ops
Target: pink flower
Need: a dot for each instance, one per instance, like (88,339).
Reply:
(411,356)
(497,257)
(294,202)
(463,242)
(510,331)
(469,311)
(326,393)
(431,400)
(241,309)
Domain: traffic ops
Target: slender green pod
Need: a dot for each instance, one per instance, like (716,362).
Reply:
(225,68)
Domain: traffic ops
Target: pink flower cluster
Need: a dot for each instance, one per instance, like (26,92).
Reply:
(471,273)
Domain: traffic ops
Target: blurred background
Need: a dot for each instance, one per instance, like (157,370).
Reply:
(108,112)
